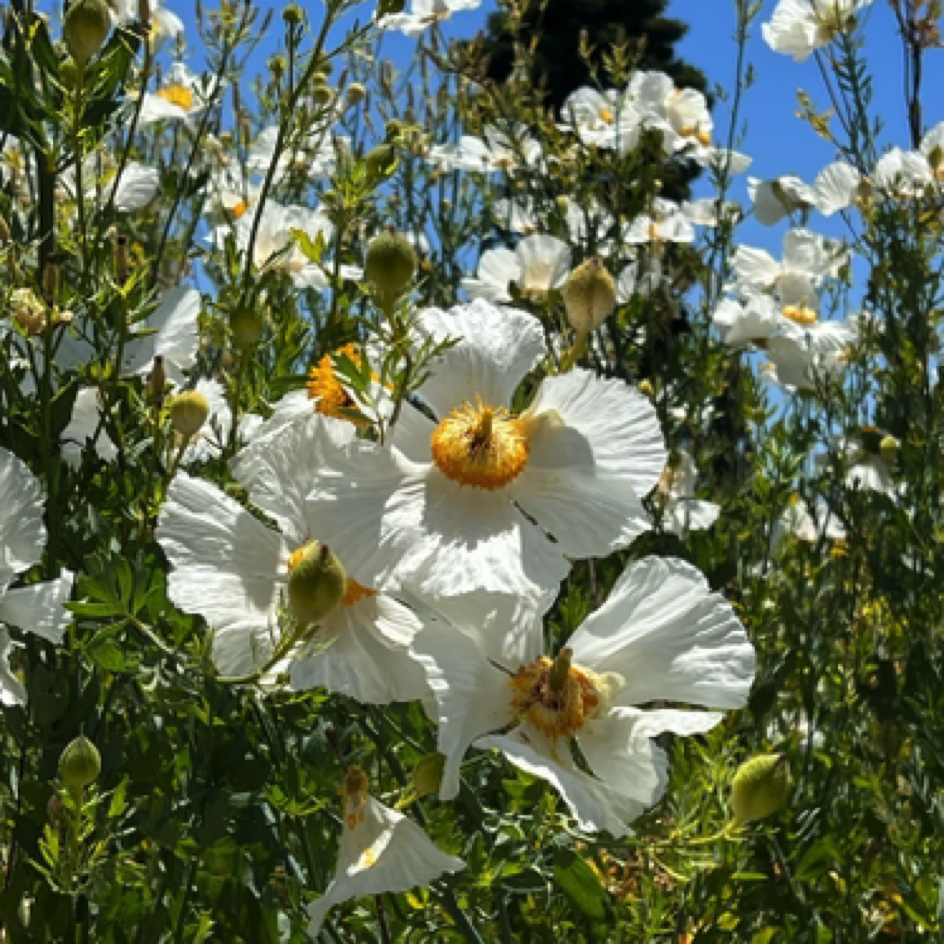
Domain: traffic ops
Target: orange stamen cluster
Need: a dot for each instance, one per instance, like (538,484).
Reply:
(324,387)
(557,707)
(481,446)
(354,591)
(800,314)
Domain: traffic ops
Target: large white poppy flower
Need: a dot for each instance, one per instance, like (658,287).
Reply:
(381,851)
(661,635)
(182,96)
(798,27)
(536,265)
(233,570)
(466,501)
(36,608)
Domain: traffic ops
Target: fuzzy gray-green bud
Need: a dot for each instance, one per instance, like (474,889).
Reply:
(80,764)
(760,787)
(391,262)
(589,296)
(188,412)
(316,582)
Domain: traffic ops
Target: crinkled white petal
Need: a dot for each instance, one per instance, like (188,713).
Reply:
(836,187)
(86,416)
(594,804)
(22,533)
(497,268)
(362,650)
(137,187)
(545,263)
(39,608)
(176,339)
(668,637)
(689,514)
(226,566)
(473,697)
(385,853)
(497,347)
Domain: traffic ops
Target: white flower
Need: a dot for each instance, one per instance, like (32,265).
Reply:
(234,570)
(606,119)
(666,223)
(182,95)
(807,260)
(498,152)
(836,187)
(639,277)
(745,322)
(775,199)
(85,426)
(867,466)
(807,352)
(425,13)
(902,173)
(682,512)
(537,265)
(381,851)
(805,525)
(798,27)
(661,635)
(164,24)
(439,509)
(38,607)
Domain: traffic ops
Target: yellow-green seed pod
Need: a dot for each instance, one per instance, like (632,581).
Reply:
(316,582)
(760,787)
(293,14)
(80,764)
(322,93)
(85,29)
(589,296)
(188,412)
(70,74)
(391,262)
(381,162)
(356,93)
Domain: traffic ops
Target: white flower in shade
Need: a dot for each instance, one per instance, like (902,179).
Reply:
(86,427)
(425,13)
(498,151)
(807,259)
(798,27)
(775,199)
(639,277)
(806,353)
(682,512)
(38,607)
(753,319)
(837,186)
(902,173)
(810,526)
(182,95)
(868,466)
(441,508)
(708,211)
(234,571)
(381,851)
(661,635)
(537,264)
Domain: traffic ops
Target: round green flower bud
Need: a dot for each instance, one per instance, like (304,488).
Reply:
(356,93)
(428,774)
(188,412)
(391,262)
(85,28)
(70,74)
(322,93)
(589,296)
(760,787)
(80,764)
(293,14)
(381,162)
(316,582)
(246,325)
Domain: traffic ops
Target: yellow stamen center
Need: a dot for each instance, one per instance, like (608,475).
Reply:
(480,445)
(557,697)
(354,591)
(326,390)
(177,95)
(606,115)
(239,209)
(800,314)
(294,559)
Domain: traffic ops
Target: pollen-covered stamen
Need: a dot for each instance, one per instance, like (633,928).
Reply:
(800,314)
(355,797)
(557,697)
(354,591)
(481,446)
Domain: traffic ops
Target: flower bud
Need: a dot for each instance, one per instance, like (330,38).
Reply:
(391,262)
(292,14)
(646,389)
(428,774)
(80,763)
(70,74)
(589,296)
(322,93)
(381,162)
(888,448)
(760,787)
(157,379)
(188,412)
(122,263)
(316,582)
(356,93)
(246,325)
(51,279)
(85,29)
(28,311)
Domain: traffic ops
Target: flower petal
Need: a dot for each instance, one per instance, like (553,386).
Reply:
(497,347)
(22,533)
(669,638)
(38,608)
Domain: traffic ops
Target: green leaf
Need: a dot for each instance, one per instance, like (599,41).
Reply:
(580,884)
(524,880)
(107,655)
(817,860)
